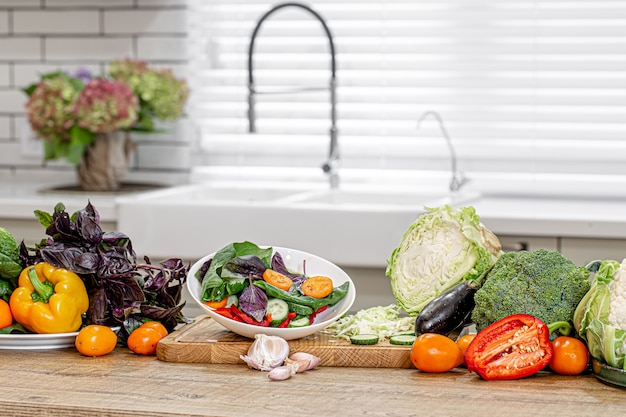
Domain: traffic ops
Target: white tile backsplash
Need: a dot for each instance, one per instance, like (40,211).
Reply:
(12,101)
(56,21)
(5,128)
(20,48)
(162,48)
(5,76)
(40,36)
(145,21)
(4,22)
(88,48)
(89,3)
(20,3)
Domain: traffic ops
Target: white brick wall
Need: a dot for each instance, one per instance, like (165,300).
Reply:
(39,36)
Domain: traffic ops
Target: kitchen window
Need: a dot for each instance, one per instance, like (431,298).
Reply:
(526,88)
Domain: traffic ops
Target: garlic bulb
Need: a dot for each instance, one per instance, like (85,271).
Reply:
(266,352)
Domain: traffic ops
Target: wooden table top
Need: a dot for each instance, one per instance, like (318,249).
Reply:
(63,383)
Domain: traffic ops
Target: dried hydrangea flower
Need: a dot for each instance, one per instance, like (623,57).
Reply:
(104,106)
(50,108)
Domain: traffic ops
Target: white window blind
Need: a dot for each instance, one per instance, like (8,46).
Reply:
(523,86)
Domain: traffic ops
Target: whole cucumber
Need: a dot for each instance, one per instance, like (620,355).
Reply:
(448,311)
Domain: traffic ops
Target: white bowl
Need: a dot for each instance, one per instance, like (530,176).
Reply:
(294,260)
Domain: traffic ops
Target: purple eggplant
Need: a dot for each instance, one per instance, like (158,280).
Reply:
(449,311)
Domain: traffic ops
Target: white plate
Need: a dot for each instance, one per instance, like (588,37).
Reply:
(37,341)
(294,261)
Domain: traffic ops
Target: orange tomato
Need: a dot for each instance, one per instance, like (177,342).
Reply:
(433,352)
(317,287)
(144,341)
(217,304)
(464,341)
(6,317)
(158,326)
(570,357)
(95,340)
(277,279)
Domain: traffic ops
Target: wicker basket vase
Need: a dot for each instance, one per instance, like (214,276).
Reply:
(105,162)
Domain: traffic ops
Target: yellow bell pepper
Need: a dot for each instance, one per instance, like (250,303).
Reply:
(49,299)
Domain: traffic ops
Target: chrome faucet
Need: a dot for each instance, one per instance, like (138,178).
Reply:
(458,178)
(331,166)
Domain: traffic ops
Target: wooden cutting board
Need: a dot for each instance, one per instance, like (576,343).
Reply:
(206,341)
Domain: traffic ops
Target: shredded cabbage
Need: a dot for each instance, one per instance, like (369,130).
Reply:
(379,320)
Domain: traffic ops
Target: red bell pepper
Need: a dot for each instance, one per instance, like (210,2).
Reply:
(316,312)
(287,320)
(514,347)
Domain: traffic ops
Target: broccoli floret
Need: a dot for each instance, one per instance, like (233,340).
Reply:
(541,283)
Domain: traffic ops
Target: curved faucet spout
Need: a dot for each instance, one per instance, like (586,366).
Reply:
(331,166)
(458,178)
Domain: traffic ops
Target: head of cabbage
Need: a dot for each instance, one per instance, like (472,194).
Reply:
(600,318)
(442,248)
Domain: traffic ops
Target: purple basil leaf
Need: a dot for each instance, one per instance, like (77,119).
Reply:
(61,255)
(86,263)
(97,313)
(247,266)
(253,301)
(278,265)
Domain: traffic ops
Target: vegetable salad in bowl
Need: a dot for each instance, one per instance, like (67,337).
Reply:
(250,290)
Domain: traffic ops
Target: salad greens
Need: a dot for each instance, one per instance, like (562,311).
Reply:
(238,270)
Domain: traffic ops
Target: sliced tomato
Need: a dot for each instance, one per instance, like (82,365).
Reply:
(514,347)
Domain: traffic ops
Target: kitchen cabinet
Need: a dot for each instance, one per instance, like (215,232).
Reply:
(530,243)
(581,250)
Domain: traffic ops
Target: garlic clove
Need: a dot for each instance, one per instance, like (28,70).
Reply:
(266,352)
(313,361)
(283,372)
(301,365)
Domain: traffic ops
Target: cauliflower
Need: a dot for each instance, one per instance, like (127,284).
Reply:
(617,297)
(600,318)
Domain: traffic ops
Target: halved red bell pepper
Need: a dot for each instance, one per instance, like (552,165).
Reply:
(514,347)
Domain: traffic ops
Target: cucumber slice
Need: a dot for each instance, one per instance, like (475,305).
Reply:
(364,339)
(279,310)
(402,339)
(299,322)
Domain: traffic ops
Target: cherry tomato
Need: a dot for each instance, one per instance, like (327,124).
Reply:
(6,317)
(435,353)
(464,341)
(144,341)
(217,304)
(277,279)
(317,287)
(571,356)
(95,340)
(158,326)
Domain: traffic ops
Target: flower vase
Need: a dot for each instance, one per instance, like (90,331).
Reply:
(105,163)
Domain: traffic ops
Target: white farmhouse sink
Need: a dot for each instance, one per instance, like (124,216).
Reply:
(349,226)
